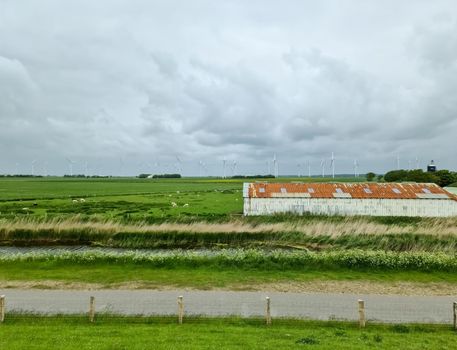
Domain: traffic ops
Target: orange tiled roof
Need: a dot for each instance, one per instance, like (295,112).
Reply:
(349,190)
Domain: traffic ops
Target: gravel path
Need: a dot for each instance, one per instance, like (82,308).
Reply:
(380,308)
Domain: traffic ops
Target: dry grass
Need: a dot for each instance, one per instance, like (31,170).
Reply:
(313,286)
(347,226)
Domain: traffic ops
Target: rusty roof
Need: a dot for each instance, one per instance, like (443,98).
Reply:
(348,190)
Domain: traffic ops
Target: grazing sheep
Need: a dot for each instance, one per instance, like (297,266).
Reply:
(82,200)
(186,205)
(25,209)
(173,204)
(75,201)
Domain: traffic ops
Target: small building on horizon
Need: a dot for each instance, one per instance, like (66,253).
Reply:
(372,199)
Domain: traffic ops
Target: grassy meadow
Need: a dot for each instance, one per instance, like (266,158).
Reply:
(206,214)
(224,333)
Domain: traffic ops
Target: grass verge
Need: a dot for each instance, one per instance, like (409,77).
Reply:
(110,275)
(225,333)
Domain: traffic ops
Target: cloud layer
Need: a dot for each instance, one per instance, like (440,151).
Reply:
(138,86)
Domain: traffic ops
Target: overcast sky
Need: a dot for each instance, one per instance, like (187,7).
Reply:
(132,86)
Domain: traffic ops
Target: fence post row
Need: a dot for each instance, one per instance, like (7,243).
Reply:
(361,313)
(454,310)
(2,308)
(268,312)
(92,309)
(180,309)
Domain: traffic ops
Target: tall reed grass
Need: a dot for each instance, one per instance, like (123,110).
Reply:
(428,234)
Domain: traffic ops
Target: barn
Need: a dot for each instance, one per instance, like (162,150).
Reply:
(376,199)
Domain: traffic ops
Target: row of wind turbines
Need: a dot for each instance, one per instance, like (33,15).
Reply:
(229,167)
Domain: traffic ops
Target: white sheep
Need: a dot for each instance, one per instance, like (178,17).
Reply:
(186,205)
(173,204)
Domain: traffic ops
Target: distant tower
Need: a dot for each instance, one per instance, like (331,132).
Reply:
(431,168)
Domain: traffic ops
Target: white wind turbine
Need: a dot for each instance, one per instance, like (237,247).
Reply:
(332,165)
(70,165)
(275,166)
(309,168)
(179,165)
(234,168)
(33,166)
(356,168)
(323,167)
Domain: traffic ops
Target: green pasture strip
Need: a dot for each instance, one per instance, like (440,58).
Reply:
(109,274)
(45,188)
(76,332)
(58,187)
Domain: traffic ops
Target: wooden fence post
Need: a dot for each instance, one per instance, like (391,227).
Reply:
(92,309)
(2,308)
(361,313)
(454,310)
(180,309)
(268,312)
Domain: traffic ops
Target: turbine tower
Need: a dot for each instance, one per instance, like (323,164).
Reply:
(332,165)
(323,167)
(33,166)
(356,168)
(309,168)
(70,165)
(275,166)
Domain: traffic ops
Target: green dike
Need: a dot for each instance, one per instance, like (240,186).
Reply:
(31,332)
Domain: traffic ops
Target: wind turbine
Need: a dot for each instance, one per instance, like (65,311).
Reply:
(70,165)
(275,166)
(356,168)
(299,169)
(224,162)
(332,165)
(179,167)
(323,167)
(33,166)
(309,168)
(417,162)
(86,167)
(234,168)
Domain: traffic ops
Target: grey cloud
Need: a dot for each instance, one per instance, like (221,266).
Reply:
(149,80)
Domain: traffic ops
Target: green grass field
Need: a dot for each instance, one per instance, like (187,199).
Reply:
(230,333)
(128,199)
(117,212)
(205,275)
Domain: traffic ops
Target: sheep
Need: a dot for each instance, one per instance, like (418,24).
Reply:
(173,204)
(186,205)
(82,200)
(75,201)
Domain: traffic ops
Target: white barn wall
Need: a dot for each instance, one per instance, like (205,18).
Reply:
(351,206)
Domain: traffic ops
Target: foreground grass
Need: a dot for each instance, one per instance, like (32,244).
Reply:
(109,275)
(231,333)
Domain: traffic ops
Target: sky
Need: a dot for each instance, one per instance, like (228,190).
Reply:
(124,87)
